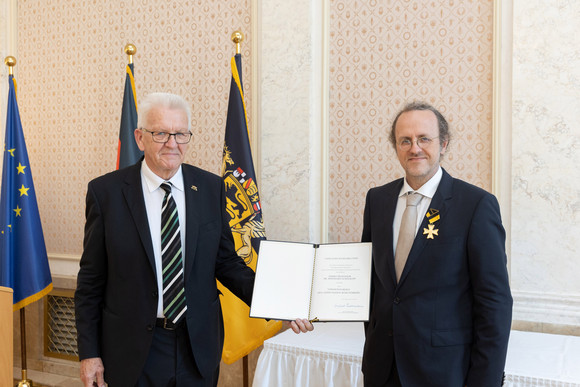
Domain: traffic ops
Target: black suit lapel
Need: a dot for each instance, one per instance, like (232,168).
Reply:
(439,202)
(191,188)
(133,193)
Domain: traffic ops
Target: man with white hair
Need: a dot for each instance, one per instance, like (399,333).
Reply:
(157,237)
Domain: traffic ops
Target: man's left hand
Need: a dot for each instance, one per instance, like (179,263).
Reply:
(300,325)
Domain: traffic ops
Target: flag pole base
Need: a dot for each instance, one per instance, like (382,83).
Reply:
(25,382)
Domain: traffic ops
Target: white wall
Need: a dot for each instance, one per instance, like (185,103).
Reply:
(545,203)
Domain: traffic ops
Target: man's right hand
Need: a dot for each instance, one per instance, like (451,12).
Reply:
(92,372)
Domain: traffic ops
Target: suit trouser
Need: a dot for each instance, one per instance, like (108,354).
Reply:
(170,362)
(392,381)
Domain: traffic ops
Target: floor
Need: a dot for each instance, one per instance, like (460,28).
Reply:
(43,379)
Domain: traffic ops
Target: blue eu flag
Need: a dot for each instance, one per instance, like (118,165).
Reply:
(23,259)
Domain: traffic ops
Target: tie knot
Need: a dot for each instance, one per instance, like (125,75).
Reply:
(413,199)
(166,187)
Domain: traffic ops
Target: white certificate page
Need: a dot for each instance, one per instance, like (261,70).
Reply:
(342,281)
(283,280)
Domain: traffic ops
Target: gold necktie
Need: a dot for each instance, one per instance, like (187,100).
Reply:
(406,232)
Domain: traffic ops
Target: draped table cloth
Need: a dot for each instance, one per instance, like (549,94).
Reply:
(543,360)
(331,355)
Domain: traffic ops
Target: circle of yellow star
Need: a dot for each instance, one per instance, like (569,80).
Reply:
(23,190)
(20,168)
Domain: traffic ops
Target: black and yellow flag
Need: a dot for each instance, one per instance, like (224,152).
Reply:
(242,333)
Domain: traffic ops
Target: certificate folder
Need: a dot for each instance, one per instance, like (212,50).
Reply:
(327,282)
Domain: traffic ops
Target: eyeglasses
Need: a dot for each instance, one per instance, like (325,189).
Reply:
(422,142)
(163,137)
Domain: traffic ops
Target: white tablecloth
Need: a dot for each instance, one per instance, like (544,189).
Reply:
(331,356)
(540,359)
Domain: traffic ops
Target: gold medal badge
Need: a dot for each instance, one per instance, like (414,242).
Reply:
(432,216)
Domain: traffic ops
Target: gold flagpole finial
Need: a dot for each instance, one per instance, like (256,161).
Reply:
(130,50)
(10,61)
(237,38)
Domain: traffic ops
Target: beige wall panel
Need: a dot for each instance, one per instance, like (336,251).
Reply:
(71,74)
(384,54)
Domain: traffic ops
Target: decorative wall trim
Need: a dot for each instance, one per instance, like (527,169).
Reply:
(502,111)
(319,179)
(8,46)
(64,264)
(543,307)
(9,17)
(255,142)
(325,120)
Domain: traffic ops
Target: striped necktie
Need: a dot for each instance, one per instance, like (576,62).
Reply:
(174,305)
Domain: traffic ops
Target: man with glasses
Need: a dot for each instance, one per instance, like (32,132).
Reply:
(441,303)
(156,239)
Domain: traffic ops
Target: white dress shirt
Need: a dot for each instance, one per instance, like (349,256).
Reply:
(427,191)
(153,194)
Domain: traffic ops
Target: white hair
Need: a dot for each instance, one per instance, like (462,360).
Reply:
(165,100)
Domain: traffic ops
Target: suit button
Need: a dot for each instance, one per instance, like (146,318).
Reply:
(150,328)
(397,300)
(155,293)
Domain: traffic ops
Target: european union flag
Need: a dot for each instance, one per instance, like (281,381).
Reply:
(128,153)
(23,259)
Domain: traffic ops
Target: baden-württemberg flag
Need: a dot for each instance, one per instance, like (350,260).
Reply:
(242,334)
(128,152)
(23,259)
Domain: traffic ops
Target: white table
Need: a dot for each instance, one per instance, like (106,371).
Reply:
(331,356)
(541,359)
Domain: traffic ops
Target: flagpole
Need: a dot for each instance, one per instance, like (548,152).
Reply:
(130,50)
(10,61)
(25,382)
(237,38)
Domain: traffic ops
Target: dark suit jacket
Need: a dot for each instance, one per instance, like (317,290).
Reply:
(116,296)
(447,322)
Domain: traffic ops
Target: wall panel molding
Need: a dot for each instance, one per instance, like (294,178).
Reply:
(502,111)
(552,308)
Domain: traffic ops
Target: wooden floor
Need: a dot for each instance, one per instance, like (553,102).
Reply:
(33,384)
(41,379)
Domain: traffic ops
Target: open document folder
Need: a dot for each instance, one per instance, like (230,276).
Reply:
(328,282)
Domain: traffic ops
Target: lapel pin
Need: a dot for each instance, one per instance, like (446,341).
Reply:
(431,231)
(433,215)
(194,187)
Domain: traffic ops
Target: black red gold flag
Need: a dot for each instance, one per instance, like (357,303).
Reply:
(128,152)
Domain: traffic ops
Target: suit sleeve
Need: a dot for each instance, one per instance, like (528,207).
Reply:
(492,300)
(366,234)
(91,281)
